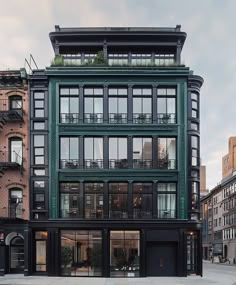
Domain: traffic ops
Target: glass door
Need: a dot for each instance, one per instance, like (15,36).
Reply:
(17,255)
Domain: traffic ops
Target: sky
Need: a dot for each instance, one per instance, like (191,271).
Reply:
(210,49)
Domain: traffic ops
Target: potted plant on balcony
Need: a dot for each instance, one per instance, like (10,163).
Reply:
(141,118)
(165,118)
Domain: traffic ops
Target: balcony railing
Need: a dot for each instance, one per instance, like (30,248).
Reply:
(118,214)
(166,164)
(93,163)
(70,213)
(142,214)
(142,163)
(118,163)
(118,118)
(10,114)
(166,214)
(166,118)
(10,159)
(69,163)
(93,118)
(13,212)
(69,118)
(142,118)
(94,214)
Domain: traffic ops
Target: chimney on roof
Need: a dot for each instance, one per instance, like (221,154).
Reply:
(178,28)
(57,28)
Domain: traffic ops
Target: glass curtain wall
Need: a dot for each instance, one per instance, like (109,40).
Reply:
(81,253)
(124,253)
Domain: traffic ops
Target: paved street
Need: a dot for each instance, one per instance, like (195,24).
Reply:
(213,274)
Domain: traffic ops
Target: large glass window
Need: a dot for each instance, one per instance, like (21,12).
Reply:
(118,105)
(69,152)
(166,200)
(39,104)
(118,58)
(164,59)
(93,152)
(142,152)
(118,153)
(69,105)
(166,153)
(142,105)
(166,105)
(70,200)
(41,251)
(141,59)
(195,150)
(39,145)
(94,200)
(194,105)
(81,253)
(124,253)
(195,196)
(142,200)
(16,150)
(16,104)
(118,200)
(73,59)
(15,203)
(93,105)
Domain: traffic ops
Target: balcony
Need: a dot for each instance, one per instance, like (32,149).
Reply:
(166,214)
(69,163)
(142,214)
(93,163)
(142,118)
(118,163)
(166,164)
(166,118)
(8,114)
(69,118)
(93,118)
(10,160)
(118,118)
(142,163)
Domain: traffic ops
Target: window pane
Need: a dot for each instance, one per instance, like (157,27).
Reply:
(64,148)
(98,148)
(161,105)
(113,154)
(74,148)
(194,141)
(39,113)
(147,105)
(137,105)
(113,105)
(39,104)
(39,125)
(40,255)
(38,95)
(88,148)
(88,105)
(166,205)
(122,105)
(98,105)
(38,140)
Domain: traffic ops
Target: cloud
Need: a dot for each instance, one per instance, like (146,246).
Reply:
(209,49)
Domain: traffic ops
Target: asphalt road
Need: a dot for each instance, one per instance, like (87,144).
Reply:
(213,274)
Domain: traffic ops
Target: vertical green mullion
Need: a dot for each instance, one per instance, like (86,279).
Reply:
(53,151)
(182,150)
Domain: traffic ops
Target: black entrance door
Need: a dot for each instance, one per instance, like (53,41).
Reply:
(161,259)
(16,255)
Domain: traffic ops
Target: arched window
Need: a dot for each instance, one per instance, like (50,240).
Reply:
(15,146)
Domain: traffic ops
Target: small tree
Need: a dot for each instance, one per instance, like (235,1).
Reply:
(99,58)
(66,256)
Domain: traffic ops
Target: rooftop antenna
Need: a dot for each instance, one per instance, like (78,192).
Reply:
(29,63)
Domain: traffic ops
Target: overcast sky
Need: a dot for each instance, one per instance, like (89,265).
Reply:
(210,48)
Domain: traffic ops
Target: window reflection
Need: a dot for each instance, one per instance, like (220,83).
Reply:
(142,152)
(124,253)
(167,153)
(93,152)
(81,253)
(94,200)
(118,200)
(142,200)
(118,153)
(166,200)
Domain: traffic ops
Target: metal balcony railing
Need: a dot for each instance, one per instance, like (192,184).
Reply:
(142,163)
(94,214)
(142,214)
(69,163)
(122,214)
(166,164)
(8,113)
(69,118)
(142,118)
(93,118)
(93,163)
(118,118)
(166,214)
(10,159)
(118,163)
(166,118)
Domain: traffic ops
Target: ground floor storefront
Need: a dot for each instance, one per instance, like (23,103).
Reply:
(113,249)
(108,249)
